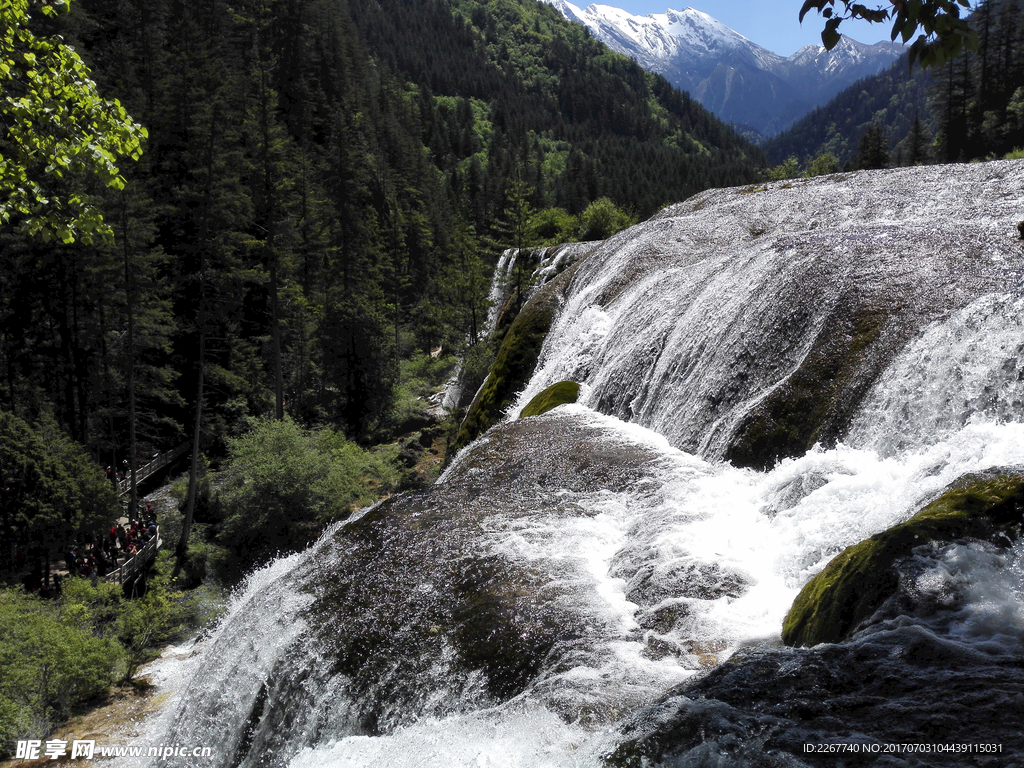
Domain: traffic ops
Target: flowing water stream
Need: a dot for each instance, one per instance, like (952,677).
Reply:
(583,584)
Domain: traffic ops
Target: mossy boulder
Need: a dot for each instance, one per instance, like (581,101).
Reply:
(557,394)
(516,359)
(859,579)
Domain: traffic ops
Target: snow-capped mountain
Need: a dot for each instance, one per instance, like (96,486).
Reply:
(739,80)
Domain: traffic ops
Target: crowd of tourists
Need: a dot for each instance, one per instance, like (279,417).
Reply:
(92,554)
(97,554)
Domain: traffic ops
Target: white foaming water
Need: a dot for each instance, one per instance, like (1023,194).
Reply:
(713,557)
(689,322)
(199,710)
(966,369)
(550,262)
(983,587)
(516,736)
(544,263)
(681,570)
(499,288)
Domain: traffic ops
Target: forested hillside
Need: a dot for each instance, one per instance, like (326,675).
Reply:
(892,99)
(325,185)
(971,107)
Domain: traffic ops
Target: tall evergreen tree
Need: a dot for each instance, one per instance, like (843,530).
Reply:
(873,150)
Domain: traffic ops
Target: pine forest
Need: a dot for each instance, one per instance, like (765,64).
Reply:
(324,191)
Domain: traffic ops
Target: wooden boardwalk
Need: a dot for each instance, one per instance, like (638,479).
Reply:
(148,470)
(131,567)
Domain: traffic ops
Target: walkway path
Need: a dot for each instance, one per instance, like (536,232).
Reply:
(127,570)
(141,473)
(131,567)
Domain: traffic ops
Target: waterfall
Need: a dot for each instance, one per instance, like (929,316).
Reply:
(543,602)
(966,369)
(546,263)
(715,313)
(500,287)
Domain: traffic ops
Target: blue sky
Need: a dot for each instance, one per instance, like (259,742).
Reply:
(770,23)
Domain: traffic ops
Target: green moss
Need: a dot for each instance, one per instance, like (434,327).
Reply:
(860,578)
(516,359)
(557,394)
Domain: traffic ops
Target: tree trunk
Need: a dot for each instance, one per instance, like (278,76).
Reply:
(193,473)
(133,502)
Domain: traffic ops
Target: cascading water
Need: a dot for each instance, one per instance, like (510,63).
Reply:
(541,265)
(969,368)
(541,604)
(714,319)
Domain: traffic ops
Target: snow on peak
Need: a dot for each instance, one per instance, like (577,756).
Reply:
(660,37)
(740,81)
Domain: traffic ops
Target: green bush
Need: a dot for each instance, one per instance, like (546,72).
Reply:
(602,219)
(553,226)
(55,655)
(283,484)
(823,165)
(787,170)
(51,660)
(140,624)
(421,376)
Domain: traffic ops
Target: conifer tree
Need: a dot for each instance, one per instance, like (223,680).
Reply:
(916,144)
(873,150)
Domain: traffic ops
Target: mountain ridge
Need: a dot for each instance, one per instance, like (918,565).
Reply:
(743,83)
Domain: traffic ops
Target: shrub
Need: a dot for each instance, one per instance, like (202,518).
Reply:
(51,661)
(553,226)
(790,169)
(283,483)
(602,219)
(823,165)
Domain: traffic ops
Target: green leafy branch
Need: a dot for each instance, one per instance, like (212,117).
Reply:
(943,32)
(57,130)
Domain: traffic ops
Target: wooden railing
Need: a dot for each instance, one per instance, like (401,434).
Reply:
(141,473)
(134,564)
(131,567)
